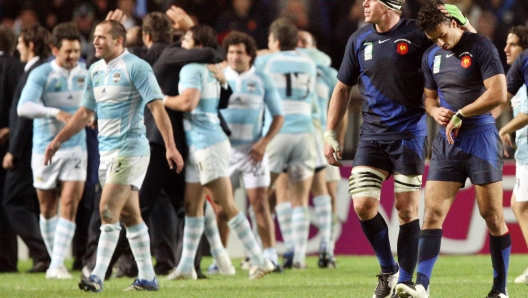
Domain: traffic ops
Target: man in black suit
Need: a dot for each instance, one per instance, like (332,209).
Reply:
(10,70)
(20,200)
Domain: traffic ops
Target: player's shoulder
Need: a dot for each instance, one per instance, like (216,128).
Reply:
(361,32)
(41,72)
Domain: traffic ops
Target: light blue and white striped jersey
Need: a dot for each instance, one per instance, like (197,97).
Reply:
(252,91)
(118,92)
(54,86)
(326,82)
(295,76)
(202,125)
(520,104)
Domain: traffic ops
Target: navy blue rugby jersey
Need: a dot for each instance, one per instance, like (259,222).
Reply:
(458,74)
(387,67)
(518,73)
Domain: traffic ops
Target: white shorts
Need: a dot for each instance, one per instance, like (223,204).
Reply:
(208,164)
(320,159)
(124,170)
(333,174)
(241,166)
(66,165)
(521,185)
(294,153)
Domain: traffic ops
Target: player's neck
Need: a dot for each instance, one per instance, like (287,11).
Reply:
(115,55)
(387,23)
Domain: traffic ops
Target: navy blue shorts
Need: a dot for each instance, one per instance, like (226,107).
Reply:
(403,156)
(476,154)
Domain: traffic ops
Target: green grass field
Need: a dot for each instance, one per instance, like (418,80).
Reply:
(454,276)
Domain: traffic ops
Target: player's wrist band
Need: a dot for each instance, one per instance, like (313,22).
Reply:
(459,115)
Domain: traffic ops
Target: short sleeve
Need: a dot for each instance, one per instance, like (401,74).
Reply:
(350,68)
(88,98)
(488,59)
(428,61)
(145,82)
(191,76)
(271,96)
(518,73)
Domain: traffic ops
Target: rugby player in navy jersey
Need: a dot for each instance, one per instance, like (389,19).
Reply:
(464,81)
(383,58)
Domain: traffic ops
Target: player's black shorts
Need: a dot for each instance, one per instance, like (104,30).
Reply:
(476,154)
(403,156)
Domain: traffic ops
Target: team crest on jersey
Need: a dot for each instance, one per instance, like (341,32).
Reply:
(465,61)
(402,48)
(436,63)
(117,77)
(251,87)
(368,51)
(80,82)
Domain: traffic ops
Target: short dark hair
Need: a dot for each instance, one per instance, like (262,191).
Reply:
(522,33)
(64,31)
(204,36)
(158,26)
(40,37)
(117,29)
(429,17)
(236,38)
(285,32)
(7,39)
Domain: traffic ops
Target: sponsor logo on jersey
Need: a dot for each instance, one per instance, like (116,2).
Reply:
(436,63)
(368,51)
(465,61)
(402,48)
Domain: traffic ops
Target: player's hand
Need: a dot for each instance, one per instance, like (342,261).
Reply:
(506,141)
(181,21)
(332,149)
(92,123)
(9,161)
(50,151)
(453,127)
(452,12)
(63,117)
(116,15)
(4,135)
(442,115)
(216,69)
(258,150)
(175,159)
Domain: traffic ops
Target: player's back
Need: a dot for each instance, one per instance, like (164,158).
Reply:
(295,76)
(202,125)
(55,87)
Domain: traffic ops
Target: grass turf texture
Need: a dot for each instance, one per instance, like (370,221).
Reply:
(454,276)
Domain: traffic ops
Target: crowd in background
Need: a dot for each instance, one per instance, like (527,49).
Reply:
(330,21)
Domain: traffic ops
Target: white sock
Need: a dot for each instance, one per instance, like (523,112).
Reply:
(300,228)
(323,211)
(240,225)
(139,240)
(105,248)
(192,233)
(284,216)
(61,242)
(47,229)
(211,231)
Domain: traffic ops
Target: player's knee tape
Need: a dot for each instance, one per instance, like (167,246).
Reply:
(365,182)
(406,183)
